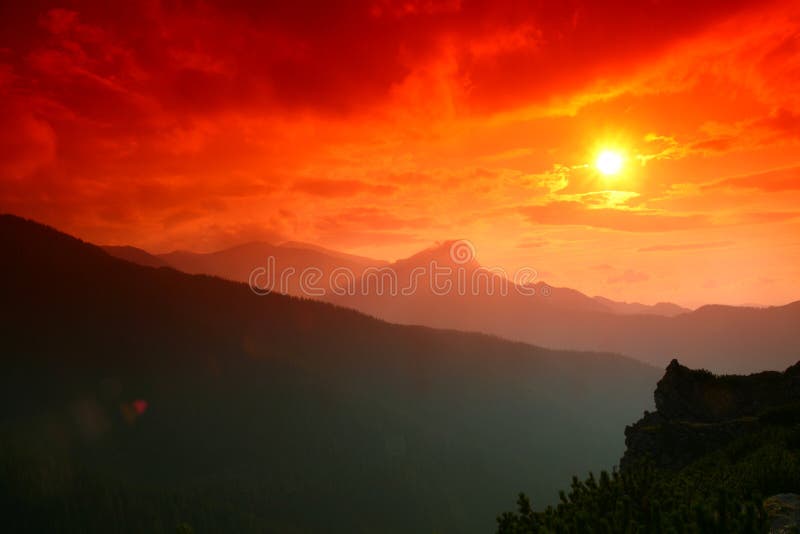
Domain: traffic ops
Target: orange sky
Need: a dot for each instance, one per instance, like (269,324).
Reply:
(379,127)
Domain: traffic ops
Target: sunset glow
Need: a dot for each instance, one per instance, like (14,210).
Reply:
(200,126)
(400,266)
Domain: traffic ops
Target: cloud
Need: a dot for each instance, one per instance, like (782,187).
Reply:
(773,181)
(341,188)
(532,244)
(687,246)
(765,217)
(576,213)
(628,277)
(303,56)
(27,143)
(371,218)
(783,122)
(720,144)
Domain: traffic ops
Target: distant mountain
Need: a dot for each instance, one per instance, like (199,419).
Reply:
(667,309)
(433,289)
(135,255)
(350,258)
(721,338)
(145,398)
(239,263)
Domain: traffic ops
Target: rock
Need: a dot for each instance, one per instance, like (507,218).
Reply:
(698,412)
(699,395)
(783,511)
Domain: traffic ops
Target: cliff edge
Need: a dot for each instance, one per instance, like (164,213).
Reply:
(698,412)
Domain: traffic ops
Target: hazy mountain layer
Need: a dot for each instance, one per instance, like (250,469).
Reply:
(471,298)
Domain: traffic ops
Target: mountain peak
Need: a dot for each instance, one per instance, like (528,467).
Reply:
(451,252)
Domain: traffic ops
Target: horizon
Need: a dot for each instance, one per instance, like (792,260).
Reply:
(439,244)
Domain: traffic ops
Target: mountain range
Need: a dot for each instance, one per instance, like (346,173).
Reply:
(121,381)
(720,338)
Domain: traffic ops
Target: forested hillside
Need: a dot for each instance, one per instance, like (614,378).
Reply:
(135,392)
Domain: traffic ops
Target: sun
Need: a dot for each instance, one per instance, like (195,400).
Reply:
(609,162)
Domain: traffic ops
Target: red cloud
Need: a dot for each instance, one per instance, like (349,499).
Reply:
(576,213)
(688,246)
(772,181)
(341,188)
(341,58)
(628,277)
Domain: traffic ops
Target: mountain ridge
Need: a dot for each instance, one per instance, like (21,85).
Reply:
(718,337)
(274,390)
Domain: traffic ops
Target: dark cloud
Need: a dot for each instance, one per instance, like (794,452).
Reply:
(331,56)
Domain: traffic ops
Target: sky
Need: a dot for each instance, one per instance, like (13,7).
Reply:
(380,127)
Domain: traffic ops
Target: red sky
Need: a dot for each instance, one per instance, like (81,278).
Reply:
(379,127)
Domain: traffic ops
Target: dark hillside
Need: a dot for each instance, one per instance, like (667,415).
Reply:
(133,381)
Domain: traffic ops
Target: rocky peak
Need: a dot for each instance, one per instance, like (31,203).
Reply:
(700,396)
(697,411)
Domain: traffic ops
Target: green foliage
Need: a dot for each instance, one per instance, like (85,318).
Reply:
(719,493)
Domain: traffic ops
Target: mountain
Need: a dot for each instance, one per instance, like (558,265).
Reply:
(135,255)
(436,288)
(252,261)
(667,309)
(351,258)
(146,398)
(721,338)
(237,263)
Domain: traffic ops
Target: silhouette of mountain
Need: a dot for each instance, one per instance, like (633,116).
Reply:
(470,298)
(433,289)
(239,263)
(721,338)
(124,381)
(352,258)
(135,255)
(667,309)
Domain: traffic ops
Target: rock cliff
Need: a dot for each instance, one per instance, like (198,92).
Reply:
(698,412)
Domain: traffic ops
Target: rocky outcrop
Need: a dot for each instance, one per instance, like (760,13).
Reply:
(698,412)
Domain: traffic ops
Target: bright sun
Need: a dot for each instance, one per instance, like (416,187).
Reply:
(609,162)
